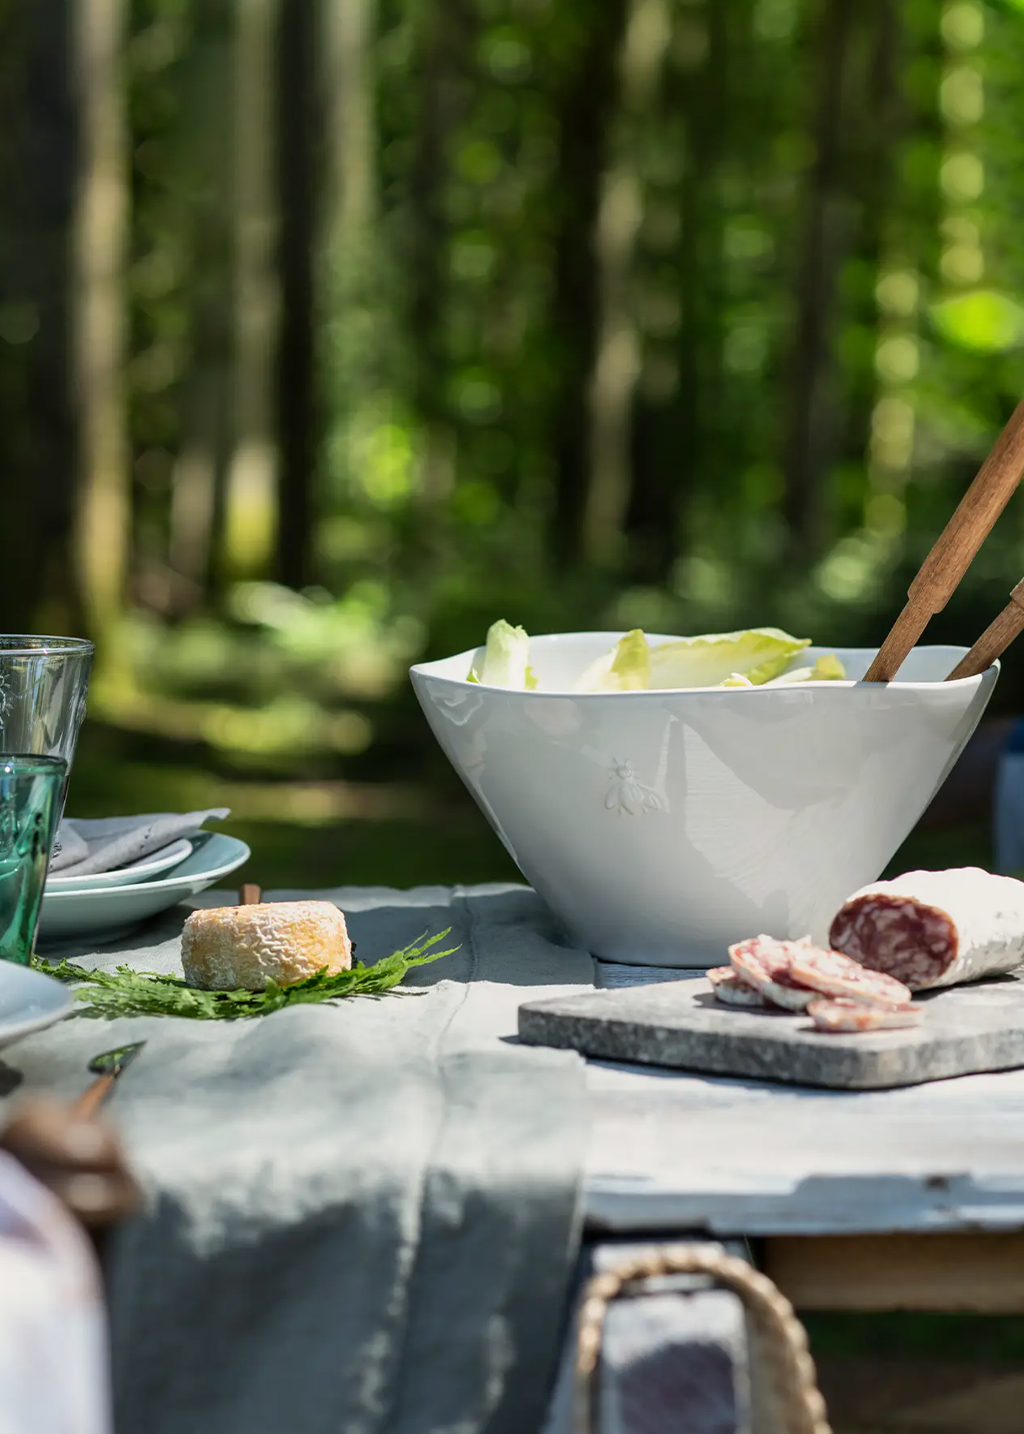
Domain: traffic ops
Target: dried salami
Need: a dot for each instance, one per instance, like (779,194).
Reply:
(841,1016)
(730,988)
(935,928)
(830,974)
(765,963)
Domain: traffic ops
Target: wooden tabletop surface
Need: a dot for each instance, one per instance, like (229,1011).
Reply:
(671,1150)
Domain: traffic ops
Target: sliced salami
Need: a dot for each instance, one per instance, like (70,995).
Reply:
(841,1016)
(765,963)
(730,988)
(935,928)
(831,974)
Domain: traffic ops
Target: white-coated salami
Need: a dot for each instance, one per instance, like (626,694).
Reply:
(841,1016)
(764,963)
(831,974)
(935,928)
(730,988)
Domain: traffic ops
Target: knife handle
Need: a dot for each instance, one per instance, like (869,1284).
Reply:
(89,1102)
(76,1157)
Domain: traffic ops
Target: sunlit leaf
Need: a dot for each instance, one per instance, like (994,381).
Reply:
(985,321)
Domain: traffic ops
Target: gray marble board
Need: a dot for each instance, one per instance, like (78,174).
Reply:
(966,1029)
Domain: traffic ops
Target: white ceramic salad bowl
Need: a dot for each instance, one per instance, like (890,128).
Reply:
(660,826)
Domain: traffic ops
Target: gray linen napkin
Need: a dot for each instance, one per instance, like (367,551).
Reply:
(84,847)
(362,1219)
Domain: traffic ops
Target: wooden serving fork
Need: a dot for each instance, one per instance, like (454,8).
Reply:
(952,555)
(996,638)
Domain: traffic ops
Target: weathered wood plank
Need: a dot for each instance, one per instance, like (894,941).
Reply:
(980,1273)
(672,1150)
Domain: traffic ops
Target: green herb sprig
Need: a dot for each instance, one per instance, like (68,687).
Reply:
(125,992)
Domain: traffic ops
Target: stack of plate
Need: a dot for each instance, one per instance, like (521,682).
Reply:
(113,902)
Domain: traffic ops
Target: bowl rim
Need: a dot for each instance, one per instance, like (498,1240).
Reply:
(955,650)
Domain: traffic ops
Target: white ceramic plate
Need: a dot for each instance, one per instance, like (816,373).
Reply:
(29,1001)
(145,869)
(117,909)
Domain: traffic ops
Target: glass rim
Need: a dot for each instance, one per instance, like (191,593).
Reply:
(31,644)
(16,762)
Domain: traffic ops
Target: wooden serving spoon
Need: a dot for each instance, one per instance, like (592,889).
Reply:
(954,550)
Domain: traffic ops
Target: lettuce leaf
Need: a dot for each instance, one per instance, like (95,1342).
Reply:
(829,669)
(757,654)
(627,668)
(826,669)
(505,661)
(750,658)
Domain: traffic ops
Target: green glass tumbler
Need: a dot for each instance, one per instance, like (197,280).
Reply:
(30,795)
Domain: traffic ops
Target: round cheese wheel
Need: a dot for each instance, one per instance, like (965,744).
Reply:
(224,948)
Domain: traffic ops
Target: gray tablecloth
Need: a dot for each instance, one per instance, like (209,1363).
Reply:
(362,1217)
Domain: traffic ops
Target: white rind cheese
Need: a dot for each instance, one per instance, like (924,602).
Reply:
(227,948)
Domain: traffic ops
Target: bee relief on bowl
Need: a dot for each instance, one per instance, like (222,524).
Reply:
(627,795)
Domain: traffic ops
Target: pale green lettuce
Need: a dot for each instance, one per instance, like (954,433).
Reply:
(756,654)
(506,658)
(829,669)
(627,668)
(826,669)
(754,657)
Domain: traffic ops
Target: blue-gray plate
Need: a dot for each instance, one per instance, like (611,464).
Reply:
(29,1001)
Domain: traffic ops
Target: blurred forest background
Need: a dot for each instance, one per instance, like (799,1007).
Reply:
(331,330)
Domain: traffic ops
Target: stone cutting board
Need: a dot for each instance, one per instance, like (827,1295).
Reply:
(966,1029)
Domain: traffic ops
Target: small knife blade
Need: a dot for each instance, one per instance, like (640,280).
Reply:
(107,1066)
(114,1062)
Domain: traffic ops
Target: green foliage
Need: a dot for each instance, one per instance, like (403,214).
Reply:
(682,316)
(460,304)
(126,992)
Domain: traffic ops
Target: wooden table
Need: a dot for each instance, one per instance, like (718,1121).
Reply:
(908,1199)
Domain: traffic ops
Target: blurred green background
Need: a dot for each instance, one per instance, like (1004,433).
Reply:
(331,331)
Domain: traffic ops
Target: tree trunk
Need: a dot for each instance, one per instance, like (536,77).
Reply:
(298,109)
(585,114)
(618,351)
(881,130)
(679,450)
(249,524)
(444,94)
(200,476)
(812,428)
(39,451)
(103,529)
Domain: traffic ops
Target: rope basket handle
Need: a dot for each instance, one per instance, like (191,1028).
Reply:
(788,1363)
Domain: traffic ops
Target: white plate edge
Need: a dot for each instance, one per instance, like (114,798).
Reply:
(166,884)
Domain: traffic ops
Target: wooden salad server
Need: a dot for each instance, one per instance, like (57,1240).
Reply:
(954,550)
(996,638)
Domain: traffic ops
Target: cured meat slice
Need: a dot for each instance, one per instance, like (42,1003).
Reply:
(841,1016)
(730,988)
(935,928)
(830,974)
(764,963)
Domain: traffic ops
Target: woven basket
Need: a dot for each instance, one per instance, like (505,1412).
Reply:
(785,1359)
